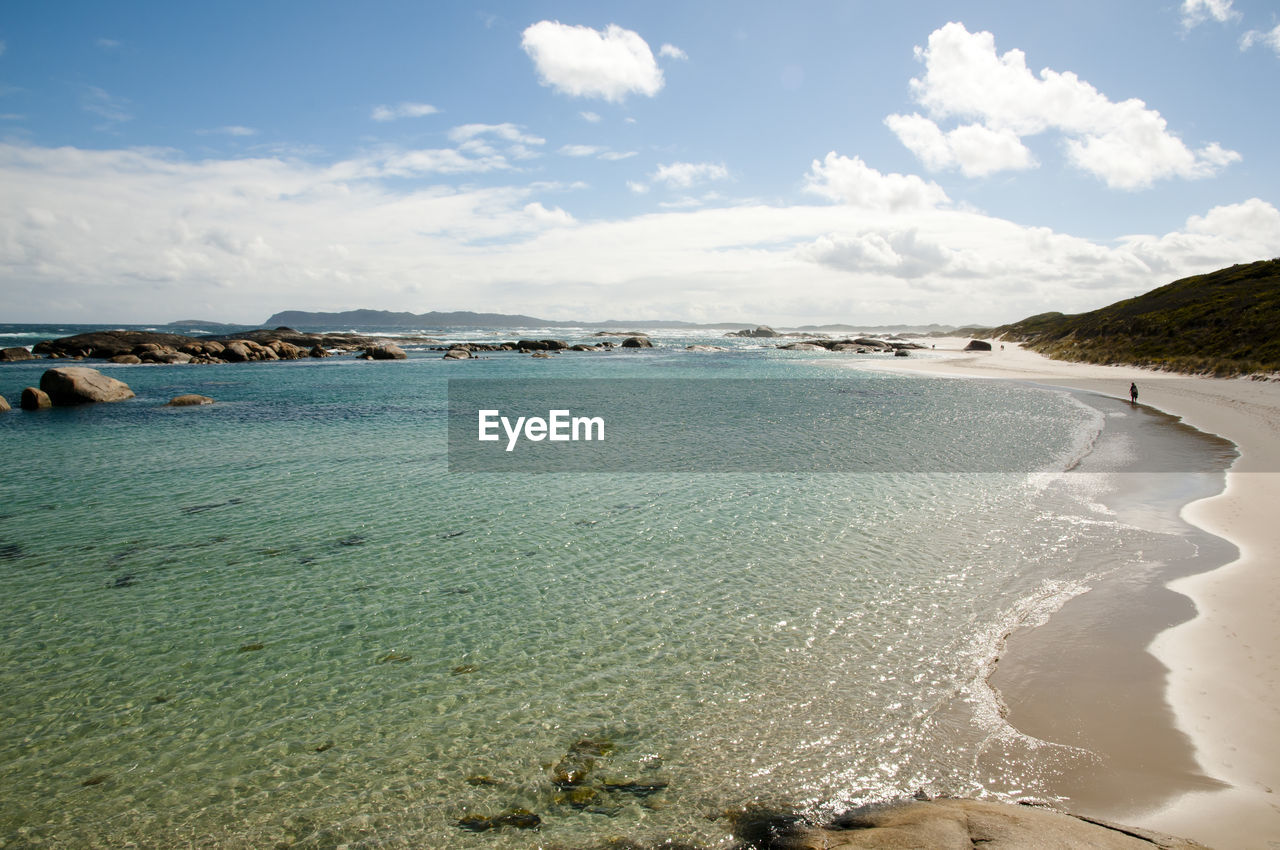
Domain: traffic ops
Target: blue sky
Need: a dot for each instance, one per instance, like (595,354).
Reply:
(784,163)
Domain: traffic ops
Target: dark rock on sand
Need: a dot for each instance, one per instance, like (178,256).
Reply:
(978,345)
(13,355)
(637,342)
(188,400)
(68,385)
(949,824)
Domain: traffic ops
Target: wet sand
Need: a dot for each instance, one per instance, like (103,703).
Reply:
(1176,691)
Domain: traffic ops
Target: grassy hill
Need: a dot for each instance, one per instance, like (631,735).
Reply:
(1225,323)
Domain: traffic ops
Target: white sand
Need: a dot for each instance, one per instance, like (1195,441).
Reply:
(1224,679)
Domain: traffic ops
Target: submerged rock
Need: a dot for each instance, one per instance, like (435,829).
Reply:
(395,658)
(188,400)
(70,385)
(518,818)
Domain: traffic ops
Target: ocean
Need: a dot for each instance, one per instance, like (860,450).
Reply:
(287,620)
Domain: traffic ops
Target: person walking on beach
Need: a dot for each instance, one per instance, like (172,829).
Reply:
(1133,393)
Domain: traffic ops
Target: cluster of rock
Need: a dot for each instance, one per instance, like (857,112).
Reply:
(762,331)
(861,345)
(540,347)
(578,781)
(72,385)
(133,347)
(68,386)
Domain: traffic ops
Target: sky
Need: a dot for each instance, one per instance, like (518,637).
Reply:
(812,162)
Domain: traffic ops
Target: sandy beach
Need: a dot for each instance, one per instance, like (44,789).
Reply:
(1221,667)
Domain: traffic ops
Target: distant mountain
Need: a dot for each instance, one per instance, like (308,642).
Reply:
(368,319)
(461,319)
(1224,322)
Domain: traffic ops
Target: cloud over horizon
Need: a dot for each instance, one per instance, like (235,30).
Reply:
(119,235)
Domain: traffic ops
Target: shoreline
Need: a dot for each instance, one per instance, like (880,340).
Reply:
(1222,680)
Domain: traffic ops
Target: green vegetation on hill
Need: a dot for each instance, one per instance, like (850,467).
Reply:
(1225,323)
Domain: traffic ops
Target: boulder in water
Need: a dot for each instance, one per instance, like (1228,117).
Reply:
(68,385)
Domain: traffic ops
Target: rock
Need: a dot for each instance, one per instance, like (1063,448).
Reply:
(188,400)
(541,354)
(235,351)
(762,331)
(318,350)
(637,342)
(68,385)
(978,345)
(457,354)
(847,346)
(4,405)
(34,399)
(901,352)
(705,348)
(386,351)
(948,824)
(802,346)
(638,789)
(572,770)
(126,359)
(518,818)
(13,355)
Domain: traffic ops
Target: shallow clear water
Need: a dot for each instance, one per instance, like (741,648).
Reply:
(281,620)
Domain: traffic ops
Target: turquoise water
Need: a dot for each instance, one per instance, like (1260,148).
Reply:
(281,621)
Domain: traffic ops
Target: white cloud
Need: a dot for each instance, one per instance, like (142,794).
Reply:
(1196,12)
(638,187)
(580,150)
(402,110)
(229,130)
(900,254)
(670,51)
(682,175)
(975,149)
(115,110)
(582,62)
(590,117)
(507,132)
(1270,38)
(596,151)
(1126,144)
(851,181)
